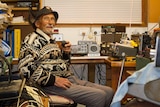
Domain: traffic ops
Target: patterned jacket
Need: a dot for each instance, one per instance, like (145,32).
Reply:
(41,59)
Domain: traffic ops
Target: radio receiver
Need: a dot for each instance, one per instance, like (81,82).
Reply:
(93,50)
(86,42)
(79,49)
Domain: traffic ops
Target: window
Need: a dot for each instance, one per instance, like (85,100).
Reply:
(99,11)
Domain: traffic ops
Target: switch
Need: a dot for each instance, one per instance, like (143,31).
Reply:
(58,37)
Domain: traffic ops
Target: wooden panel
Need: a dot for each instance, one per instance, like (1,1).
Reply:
(26,29)
(153,11)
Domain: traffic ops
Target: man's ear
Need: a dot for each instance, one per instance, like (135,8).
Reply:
(37,23)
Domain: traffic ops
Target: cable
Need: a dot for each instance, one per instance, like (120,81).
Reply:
(130,23)
(153,27)
(82,71)
(122,66)
(99,74)
(131,15)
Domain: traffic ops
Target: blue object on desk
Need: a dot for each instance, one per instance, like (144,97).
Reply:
(142,76)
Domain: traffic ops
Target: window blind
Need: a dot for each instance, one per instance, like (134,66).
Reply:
(97,11)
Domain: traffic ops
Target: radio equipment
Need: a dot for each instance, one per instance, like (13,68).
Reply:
(113,29)
(118,49)
(145,41)
(90,48)
(105,49)
(79,49)
(93,50)
(111,38)
(86,42)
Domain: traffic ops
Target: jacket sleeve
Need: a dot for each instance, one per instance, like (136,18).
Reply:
(66,55)
(31,69)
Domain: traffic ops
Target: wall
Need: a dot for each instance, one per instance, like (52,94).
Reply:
(73,33)
(153,11)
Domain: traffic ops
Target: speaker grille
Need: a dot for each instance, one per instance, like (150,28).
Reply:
(94,48)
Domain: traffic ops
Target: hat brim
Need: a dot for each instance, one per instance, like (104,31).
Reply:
(45,13)
(35,16)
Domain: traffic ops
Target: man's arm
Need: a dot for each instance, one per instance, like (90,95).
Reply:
(29,67)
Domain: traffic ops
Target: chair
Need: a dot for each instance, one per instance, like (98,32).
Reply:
(138,90)
(11,86)
(54,100)
(35,96)
(59,101)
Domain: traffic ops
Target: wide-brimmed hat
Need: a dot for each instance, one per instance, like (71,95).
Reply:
(33,16)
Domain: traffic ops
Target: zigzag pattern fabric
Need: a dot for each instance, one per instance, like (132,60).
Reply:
(41,60)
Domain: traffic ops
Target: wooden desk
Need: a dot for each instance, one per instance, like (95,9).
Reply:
(91,61)
(115,67)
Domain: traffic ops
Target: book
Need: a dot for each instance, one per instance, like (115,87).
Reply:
(12,43)
(17,42)
(6,36)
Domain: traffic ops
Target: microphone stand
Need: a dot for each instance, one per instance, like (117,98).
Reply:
(122,66)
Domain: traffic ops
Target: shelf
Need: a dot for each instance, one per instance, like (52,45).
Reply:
(20,12)
(23,8)
(20,0)
(21,23)
(15,61)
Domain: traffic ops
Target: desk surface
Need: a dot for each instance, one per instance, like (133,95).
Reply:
(89,57)
(119,63)
(94,59)
(101,59)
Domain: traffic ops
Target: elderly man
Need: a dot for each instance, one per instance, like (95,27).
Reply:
(43,62)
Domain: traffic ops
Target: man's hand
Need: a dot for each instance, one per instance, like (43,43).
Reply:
(67,47)
(62,82)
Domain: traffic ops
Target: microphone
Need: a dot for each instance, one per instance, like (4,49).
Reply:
(63,43)
(123,55)
(122,66)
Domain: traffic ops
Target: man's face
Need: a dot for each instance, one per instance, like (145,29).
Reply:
(46,23)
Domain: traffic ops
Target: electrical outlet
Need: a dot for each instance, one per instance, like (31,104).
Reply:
(58,37)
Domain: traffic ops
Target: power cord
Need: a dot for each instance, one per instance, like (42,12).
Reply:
(100,78)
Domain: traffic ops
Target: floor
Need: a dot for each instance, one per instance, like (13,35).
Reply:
(134,103)
(139,103)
